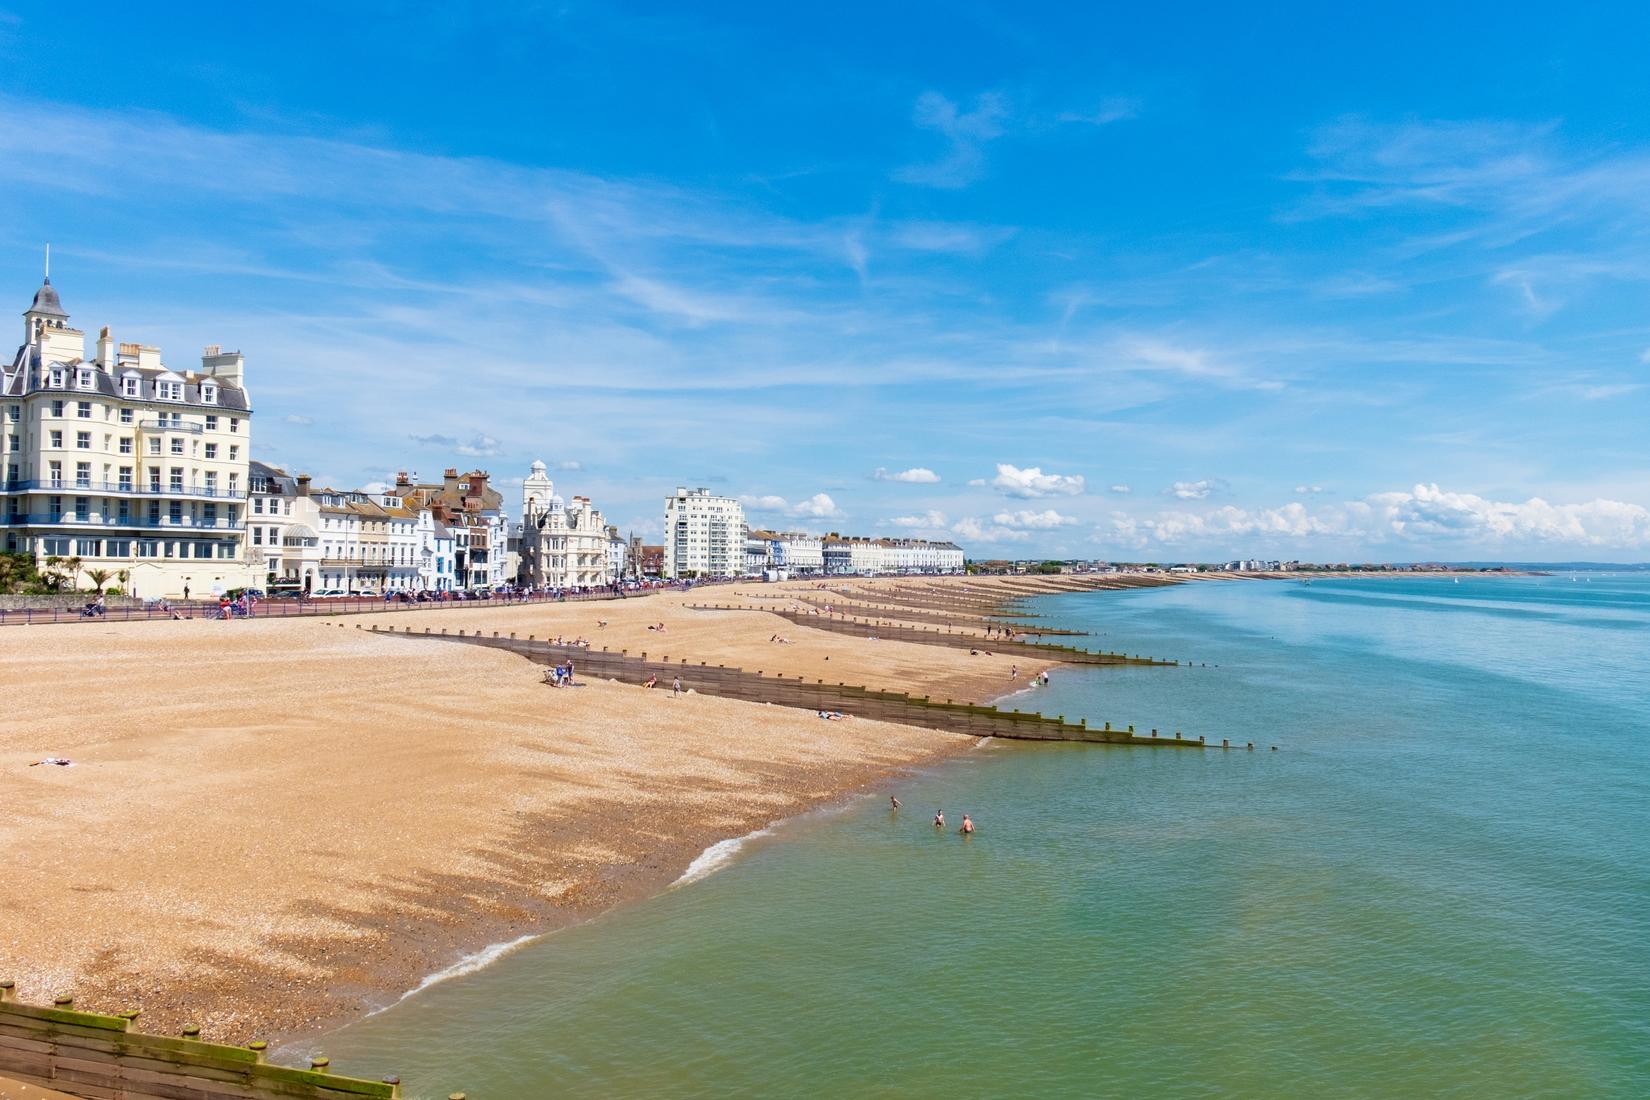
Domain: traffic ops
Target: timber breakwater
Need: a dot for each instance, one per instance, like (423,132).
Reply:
(950,715)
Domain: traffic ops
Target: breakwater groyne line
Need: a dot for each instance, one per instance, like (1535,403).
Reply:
(799,693)
(837,623)
(873,610)
(88,1054)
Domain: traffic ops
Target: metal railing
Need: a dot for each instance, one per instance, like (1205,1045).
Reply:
(81,485)
(167,522)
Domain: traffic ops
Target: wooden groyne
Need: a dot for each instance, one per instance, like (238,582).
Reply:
(867,609)
(87,1054)
(870,628)
(799,693)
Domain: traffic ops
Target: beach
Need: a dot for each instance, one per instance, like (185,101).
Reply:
(272,826)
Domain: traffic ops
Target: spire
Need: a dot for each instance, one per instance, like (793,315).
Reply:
(48,263)
(46,302)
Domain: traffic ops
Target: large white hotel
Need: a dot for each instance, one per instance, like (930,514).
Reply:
(136,469)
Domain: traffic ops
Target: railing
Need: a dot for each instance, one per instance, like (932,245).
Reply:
(170,426)
(48,520)
(57,485)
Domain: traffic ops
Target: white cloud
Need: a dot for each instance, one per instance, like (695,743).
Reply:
(1644,357)
(929,520)
(970,528)
(481,446)
(1425,515)
(1042,521)
(1310,490)
(1121,490)
(967,132)
(1108,110)
(1193,490)
(916,475)
(569,465)
(300,421)
(818,506)
(1031,482)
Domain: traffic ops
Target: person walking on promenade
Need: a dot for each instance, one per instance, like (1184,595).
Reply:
(1014,673)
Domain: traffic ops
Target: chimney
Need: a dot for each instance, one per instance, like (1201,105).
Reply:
(229,366)
(401,479)
(106,356)
(449,479)
(303,485)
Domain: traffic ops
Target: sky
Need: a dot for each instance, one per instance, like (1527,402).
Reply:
(1328,282)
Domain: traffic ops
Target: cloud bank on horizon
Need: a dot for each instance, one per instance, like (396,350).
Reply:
(1058,295)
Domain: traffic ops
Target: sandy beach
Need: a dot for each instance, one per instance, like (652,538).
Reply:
(273,825)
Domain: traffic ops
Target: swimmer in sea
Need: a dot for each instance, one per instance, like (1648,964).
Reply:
(967,827)
(939,819)
(893,803)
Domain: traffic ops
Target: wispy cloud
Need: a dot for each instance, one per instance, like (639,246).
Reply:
(1194,490)
(1108,110)
(818,506)
(966,134)
(929,520)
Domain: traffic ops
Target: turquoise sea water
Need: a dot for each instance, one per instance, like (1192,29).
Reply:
(1439,886)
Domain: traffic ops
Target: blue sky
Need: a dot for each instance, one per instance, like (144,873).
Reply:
(1354,284)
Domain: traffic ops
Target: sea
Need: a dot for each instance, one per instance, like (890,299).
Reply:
(1437,885)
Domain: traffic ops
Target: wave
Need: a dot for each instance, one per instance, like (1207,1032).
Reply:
(717,856)
(469,964)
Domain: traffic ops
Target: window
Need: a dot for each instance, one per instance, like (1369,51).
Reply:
(211,450)
(257,536)
(131,386)
(83,409)
(57,408)
(169,391)
(203,549)
(82,509)
(117,548)
(234,452)
(14,413)
(125,444)
(234,424)
(55,547)
(235,479)
(177,445)
(14,442)
(125,512)
(154,513)
(285,511)
(209,514)
(83,440)
(83,475)
(125,479)
(209,393)
(148,548)
(212,482)
(258,505)
(174,512)
(170,548)
(83,379)
(211,423)
(226,549)
(87,548)
(55,473)
(56,438)
(176,483)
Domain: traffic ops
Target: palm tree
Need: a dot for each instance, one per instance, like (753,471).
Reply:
(99,577)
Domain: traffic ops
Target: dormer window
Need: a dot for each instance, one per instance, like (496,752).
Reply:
(169,391)
(56,378)
(83,379)
(209,393)
(131,386)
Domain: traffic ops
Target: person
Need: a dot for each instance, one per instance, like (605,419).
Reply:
(1045,677)
(967,826)
(652,680)
(186,591)
(939,819)
(569,676)
(1014,673)
(675,686)
(893,803)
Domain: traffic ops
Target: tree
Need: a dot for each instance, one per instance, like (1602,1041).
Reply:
(17,572)
(99,578)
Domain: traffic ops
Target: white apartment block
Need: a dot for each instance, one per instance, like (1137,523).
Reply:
(133,468)
(563,545)
(704,535)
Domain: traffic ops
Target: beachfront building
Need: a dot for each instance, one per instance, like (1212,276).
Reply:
(759,551)
(704,535)
(564,544)
(434,555)
(474,513)
(120,469)
(618,555)
(280,521)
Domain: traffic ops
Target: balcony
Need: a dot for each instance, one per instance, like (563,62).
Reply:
(182,523)
(120,488)
(170,426)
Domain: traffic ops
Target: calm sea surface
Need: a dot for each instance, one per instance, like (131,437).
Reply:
(1438,886)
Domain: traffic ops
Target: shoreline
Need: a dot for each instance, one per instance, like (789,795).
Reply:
(362,814)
